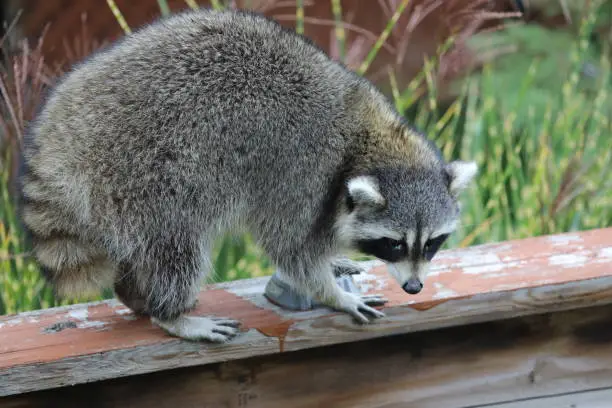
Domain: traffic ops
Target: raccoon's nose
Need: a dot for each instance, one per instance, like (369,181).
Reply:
(412,286)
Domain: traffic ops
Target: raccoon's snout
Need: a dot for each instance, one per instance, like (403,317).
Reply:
(413,286)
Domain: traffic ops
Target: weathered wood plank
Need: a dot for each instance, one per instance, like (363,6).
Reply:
(587,399)
(104,340)
(461,367)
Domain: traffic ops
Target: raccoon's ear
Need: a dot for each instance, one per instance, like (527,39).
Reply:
(363,192)
(460,174)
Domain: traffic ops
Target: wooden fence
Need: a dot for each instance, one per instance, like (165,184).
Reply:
(524,323)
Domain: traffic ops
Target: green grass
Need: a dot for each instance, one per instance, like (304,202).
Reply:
(543,169)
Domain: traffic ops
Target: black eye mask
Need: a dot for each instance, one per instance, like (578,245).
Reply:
(387,249)
(433,245)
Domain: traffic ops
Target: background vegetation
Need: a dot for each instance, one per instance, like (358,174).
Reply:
(529,101)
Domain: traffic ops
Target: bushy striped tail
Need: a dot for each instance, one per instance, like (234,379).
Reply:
(72,265)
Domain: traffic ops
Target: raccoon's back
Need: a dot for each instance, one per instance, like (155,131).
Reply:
(193,109)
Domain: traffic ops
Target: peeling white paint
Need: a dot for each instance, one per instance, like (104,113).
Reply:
(492,248)
(364,276)
(88,324)
(367,282)
(479,270)
(443,292)
(13,322)
(478,258)
(542,282)
(245,291)
(370,264)
(567,260)
(473,253)
(490,269)
(1,325)
(497,275)
(557,240)
(445,255)
(79,314)
(435,270)
(507,286)
(606,252)
(123,311)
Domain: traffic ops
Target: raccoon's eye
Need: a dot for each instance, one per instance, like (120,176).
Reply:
(396,245)
(432,246)
(397,249)
(387,249)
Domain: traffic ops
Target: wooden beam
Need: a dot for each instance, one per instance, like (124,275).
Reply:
(554,357)
(585,399)
(92,342)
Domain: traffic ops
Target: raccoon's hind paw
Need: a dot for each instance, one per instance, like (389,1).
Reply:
(194,328)
(358,306)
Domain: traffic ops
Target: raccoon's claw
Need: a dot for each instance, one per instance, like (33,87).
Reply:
(194,328)
(225,322)
(357,306)
(374,300)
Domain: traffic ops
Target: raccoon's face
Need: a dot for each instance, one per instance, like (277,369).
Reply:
(403,216)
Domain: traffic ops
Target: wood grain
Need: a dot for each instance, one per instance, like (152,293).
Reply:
(586,399)
(528,359)
(93,342)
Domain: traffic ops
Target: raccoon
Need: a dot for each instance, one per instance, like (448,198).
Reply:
(210,122)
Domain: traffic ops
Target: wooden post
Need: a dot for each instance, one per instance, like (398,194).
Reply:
(527,320)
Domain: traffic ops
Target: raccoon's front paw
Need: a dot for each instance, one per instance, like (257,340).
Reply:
(194,328)
(346,266)
(358,306)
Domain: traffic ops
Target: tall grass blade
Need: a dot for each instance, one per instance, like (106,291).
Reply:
(383,37)
(163,7)
(339,28)
(299,16)
(216,5)
(192,4)
(118,16)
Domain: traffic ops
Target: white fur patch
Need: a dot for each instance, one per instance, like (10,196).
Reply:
(373,231)
(349,230)
(423,271)
(410,238)
(401,271)
(461,174)
(364,190)
(446,228)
